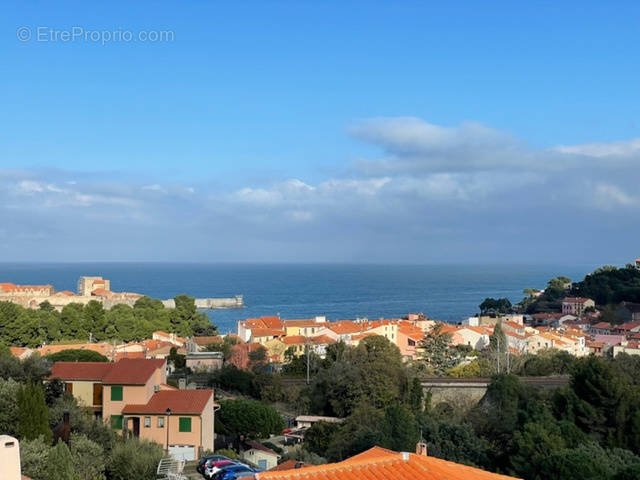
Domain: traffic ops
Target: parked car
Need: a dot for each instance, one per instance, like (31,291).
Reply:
(204,460)
(235,474)
(229,472)
(212,467)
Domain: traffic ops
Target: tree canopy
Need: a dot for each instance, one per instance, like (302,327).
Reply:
(21,326)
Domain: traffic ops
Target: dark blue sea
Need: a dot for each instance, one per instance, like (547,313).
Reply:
(445,292)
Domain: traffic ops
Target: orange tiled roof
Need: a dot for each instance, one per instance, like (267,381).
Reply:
(322,339)
(80,370)
(410,330)
(266,321)
(360,336)
(289,465)
(477,329)
(448,328)
(179,401)
(103,348)
(12,287)
(132,371)
(266,332)
(381,464)
(301,322)
(344,326)
(294,340)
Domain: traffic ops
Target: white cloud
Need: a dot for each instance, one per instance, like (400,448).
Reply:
(625,148)
(611,196)
(433,189)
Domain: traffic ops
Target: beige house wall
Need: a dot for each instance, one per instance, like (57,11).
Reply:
(83,392)
(207,425)
(134,394)
(159,434)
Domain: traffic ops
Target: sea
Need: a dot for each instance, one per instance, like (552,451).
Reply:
(337,291)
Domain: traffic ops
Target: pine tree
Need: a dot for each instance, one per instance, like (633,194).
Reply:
(33,417)
(499,350)
(59,465)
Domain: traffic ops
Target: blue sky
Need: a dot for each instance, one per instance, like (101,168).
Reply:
(321,131)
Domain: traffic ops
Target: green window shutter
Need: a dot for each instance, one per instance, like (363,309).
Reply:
(116,422)
(116,393)
(184,424)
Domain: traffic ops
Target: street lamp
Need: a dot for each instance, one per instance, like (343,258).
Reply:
(168,412)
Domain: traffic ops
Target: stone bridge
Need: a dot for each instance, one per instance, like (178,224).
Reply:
(469,391)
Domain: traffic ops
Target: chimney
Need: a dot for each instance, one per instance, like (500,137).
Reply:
(421,449)
(9,458)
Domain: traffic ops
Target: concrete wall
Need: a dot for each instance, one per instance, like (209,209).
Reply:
(459,395)
(210,303)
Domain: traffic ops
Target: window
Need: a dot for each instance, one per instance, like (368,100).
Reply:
(116,422)
(147,422)
(160,422)
(184,424)
(116,393)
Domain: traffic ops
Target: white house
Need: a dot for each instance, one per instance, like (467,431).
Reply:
(576,305)
(475,337)
(260,455)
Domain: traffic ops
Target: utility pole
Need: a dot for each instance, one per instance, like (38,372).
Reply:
(308,351)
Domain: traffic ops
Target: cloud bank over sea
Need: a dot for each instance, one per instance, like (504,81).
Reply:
(429,193)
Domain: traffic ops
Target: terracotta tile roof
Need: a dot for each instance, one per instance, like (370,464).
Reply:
(100,291)
(12,287)
(448,328)
(266,332)
(289,465)
(301,322)
(185,402)
(117,356)
(322,339)
(411,331)
(342,327)
(258,446)
(80,370)
(477,329)
(602,325)
(104,348)
(360,336)
(132,371)
(266,321)
(294,340)
(628,325)
(380,464)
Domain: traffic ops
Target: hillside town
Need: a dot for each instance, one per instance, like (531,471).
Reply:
(160,388)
